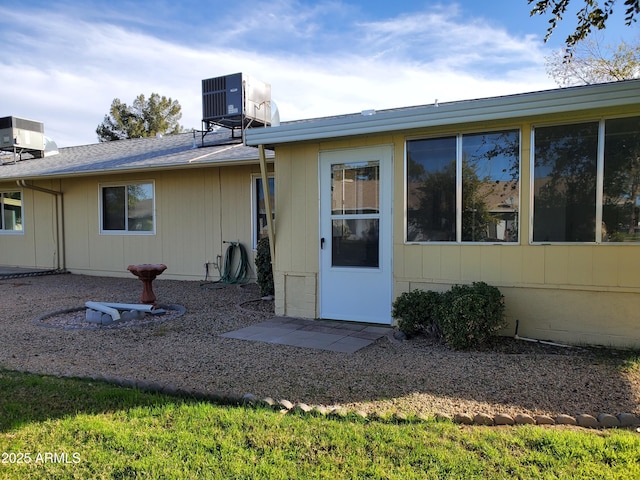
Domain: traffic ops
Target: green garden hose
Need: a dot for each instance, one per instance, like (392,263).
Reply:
(241,272)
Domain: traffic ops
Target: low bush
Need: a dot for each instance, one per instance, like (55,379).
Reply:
(416,312)
(263,267)
(466,316)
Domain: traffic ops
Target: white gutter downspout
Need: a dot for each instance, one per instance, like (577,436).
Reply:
(59,233)
(267,205)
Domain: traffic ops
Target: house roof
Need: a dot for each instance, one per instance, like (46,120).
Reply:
(562,100)
(185,150)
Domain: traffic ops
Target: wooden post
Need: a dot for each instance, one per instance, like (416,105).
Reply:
(267,204)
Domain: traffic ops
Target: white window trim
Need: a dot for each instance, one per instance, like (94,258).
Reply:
(125,232)
(254,213)
(458,135)
(14,232)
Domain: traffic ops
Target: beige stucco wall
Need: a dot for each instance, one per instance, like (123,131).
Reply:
(196,210)
(565,293)
(35,246)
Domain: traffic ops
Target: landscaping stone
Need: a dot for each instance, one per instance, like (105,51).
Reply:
(286,404)
(483,419)
(93,316)
(524,419)
(544,420)
(503,419)
(303,407)
(269,401)
(249,398)
(608,421)
(400,417)
(587,421)
(399,335)
(628,420)
(443,417)
(463,418)
(566,420)
(321,410)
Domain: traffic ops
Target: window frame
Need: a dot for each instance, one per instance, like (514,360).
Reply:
(255,177)
(126,185)
(600,150)
(459,180)
(4,231)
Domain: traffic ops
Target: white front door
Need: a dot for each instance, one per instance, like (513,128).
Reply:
(356,234)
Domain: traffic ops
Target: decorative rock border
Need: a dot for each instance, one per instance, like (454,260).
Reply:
(602,421)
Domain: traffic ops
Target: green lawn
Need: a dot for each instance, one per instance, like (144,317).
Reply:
(67,428)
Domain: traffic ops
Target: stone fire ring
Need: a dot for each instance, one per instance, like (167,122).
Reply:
(74,319)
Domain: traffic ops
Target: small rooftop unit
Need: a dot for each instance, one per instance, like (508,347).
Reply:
(235,101)
(18,135)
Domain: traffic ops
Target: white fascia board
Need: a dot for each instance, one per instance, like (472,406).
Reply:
(496,108)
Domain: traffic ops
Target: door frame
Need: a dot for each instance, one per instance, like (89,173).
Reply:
(385,154)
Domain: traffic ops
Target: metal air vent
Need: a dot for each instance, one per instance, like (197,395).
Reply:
(18,135)
(235,101)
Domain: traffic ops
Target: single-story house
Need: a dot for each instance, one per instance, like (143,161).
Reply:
(537,194)
(95,209)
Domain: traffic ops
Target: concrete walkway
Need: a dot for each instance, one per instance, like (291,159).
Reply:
(329,335)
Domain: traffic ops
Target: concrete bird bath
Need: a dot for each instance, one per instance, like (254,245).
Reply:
(147,272)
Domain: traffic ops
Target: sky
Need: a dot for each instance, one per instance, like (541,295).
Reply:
(63,62)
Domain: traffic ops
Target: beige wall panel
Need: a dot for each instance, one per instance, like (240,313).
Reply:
(556,264)
(299,194)
(628,266)
(471,262)
(189,223)
(606,264)
(580,269)
(492,264)
(81,221)
(18,249)
(284,199)
(45,225)
(142,249)
(431,262)
(451,263)
(511,265)
(533,264)
(398,261)
(312,225)
(575,316)
(412,261)
(300,297)
(181,211)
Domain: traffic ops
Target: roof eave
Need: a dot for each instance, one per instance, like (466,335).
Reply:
(135,170)
(524,105)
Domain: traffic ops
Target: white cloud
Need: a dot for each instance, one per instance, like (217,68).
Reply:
(68,75)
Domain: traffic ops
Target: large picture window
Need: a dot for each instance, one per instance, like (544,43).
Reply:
(260,210)
(10,212)
(127,208)
(587,182)
(464,188)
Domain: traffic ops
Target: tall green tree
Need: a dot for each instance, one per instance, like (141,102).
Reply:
(590,16)
(592,63)
(144,118)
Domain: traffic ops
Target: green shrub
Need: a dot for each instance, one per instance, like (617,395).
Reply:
(416,312)
(471,314)
(465,316)
(263,267)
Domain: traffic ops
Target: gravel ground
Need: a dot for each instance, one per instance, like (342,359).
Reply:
(413,376)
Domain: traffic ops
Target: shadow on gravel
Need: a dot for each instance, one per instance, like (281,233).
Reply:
(190,353)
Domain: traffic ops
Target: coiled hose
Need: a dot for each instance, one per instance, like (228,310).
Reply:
(241,272)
